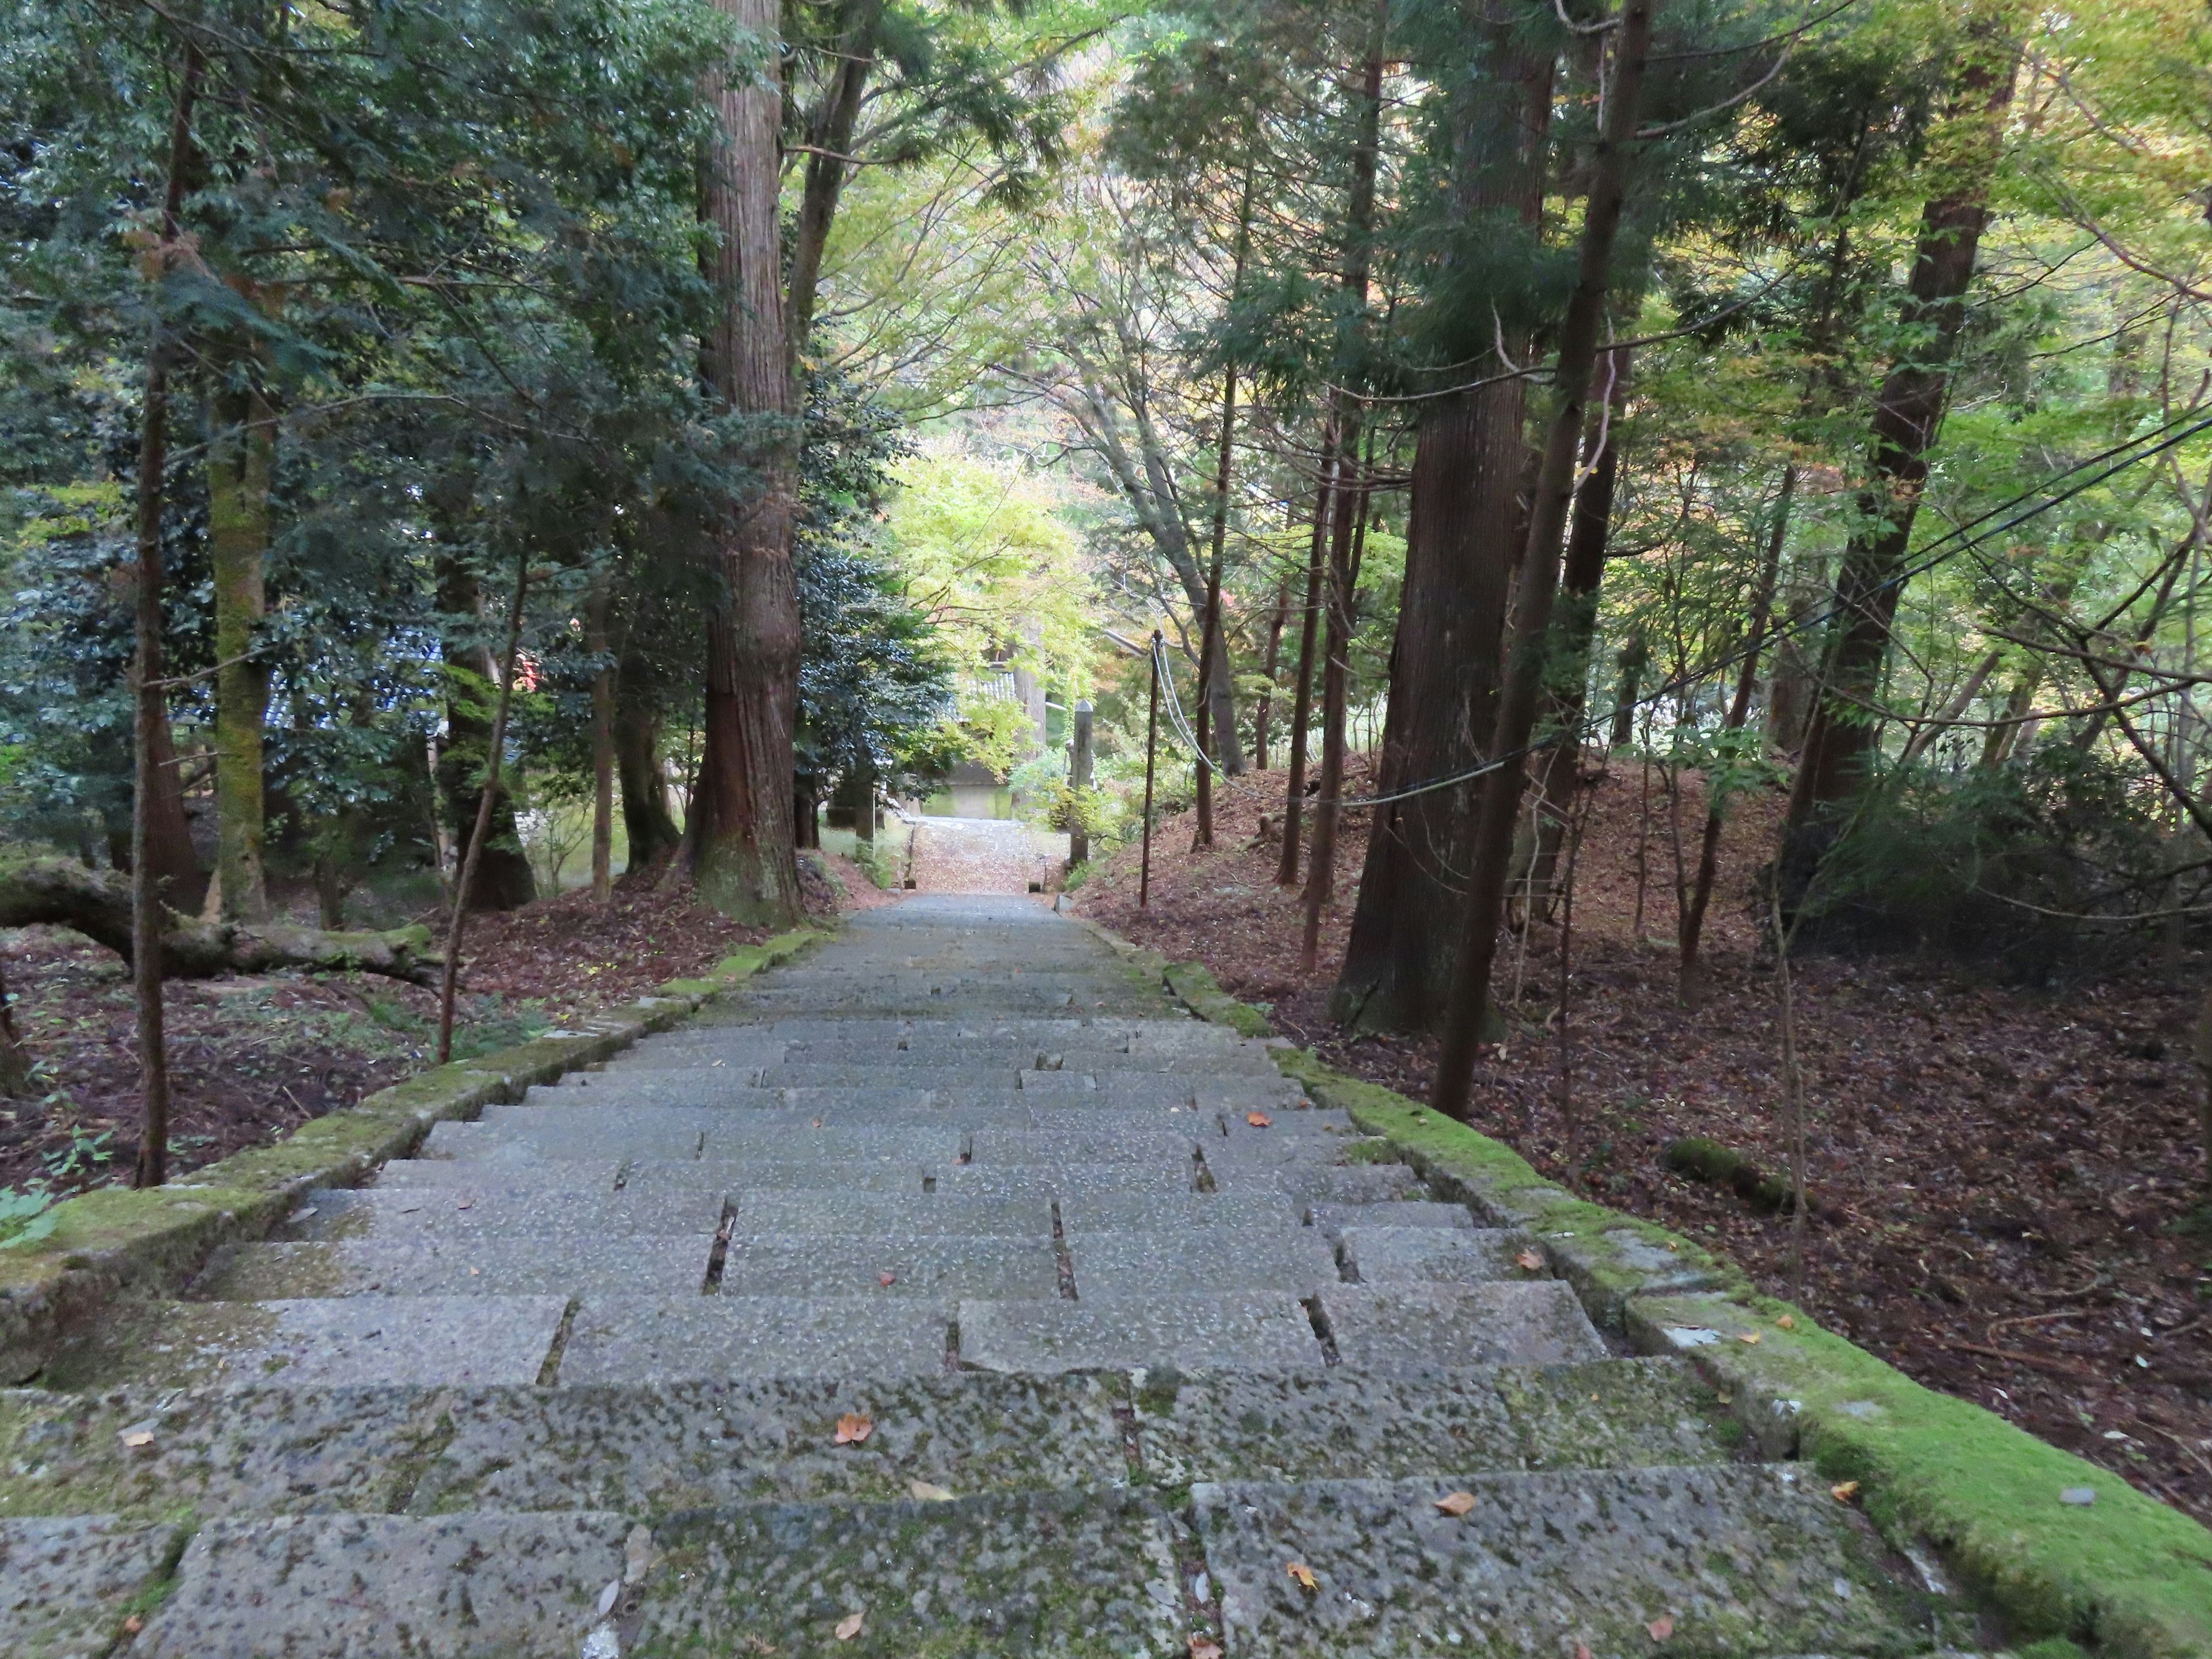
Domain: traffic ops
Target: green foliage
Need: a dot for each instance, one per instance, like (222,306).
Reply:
(26,1217)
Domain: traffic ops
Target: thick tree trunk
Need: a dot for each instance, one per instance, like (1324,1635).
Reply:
(503,879)
(649,826)
(240,458)
(1463,532)
(743,853)
(1842,738)
(1500,801)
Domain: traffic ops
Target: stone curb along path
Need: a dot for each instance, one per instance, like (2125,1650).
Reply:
(2124,1572)
(950,1293)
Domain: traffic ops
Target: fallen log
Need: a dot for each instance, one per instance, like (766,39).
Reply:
(64,893)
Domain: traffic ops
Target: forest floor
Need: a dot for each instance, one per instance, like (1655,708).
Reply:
(251,1058)
(1996,1171)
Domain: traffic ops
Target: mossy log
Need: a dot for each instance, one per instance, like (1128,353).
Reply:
(1718,1166)
(97,903)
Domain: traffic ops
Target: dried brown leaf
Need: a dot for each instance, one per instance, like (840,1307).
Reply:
(1458,1503)
(852,1429)
(849,1626)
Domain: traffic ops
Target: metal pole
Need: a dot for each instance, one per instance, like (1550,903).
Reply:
(1152,744)
(1078,777)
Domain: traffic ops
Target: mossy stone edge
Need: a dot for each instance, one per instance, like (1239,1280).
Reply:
(2127,1576)
(117,1242)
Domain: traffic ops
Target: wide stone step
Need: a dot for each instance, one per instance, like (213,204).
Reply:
(1308,1184)
(1385,1255)
(1267,1330)
(1742,1560)
(567,1137)
(579,1176)
(1224,1259)
(1175,1213)
(642,1447)
(1402,1328)
(506,1203)
(939,1267)
(876,1215)
(493,1266)
(720,1338)
(1102,1145)
(1066,1181)
(732,1175)
(1332,1220)
(949,1080)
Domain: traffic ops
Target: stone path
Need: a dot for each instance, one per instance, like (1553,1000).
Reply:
(951,1294)
(984,855)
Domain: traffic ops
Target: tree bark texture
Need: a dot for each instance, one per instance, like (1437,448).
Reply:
(1843,734)
(1294,787)
(504,880)
(240,461)
(647,824)
(1499,803)
(1463,533)
(744,857)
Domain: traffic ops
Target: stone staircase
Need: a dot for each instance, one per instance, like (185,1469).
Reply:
(950,1294)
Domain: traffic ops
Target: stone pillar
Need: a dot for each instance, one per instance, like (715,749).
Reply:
(1078,777)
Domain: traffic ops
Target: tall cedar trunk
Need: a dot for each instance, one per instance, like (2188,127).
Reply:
(149,701)
(1500,801)
(1264,704)
(1567,691)
(239,460)
(1464,530)
(1351,504)
(647,824)
(1840,739)
(1294,787)
(503,878)
(743,859)
(602,745)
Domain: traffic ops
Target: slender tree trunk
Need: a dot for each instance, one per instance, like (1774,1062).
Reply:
(1841,741)
(1286,869)
(744,857)
(1213,654)
(15,1058)
(449,981)
(149,700)
(504,880)
(647,825)
(1500,800)
(1690,927)
(827,166)
(602,745)
(240,462)
(1328,812)
(1464,530)
(1635,656)
(1264,704)
(1204,729)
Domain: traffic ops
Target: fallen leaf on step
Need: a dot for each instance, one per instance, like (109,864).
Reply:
(852,1429)
(1672,1245)
(1581,1650)
(134,1624)
(1787,1322)
(1258,1120)
(887,1279)
(1844,1491)
(818,1122)
(1201,1648)
(139,1437)
(1303,1574)
(1529,1262)
(465,1203)
(849,1626)
(1747,1337)
(1660,1628)
(928,1491)
(1458,1503)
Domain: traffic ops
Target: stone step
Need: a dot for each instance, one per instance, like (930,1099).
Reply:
(504,1204)
(1104,1145)
(483,1265)
(582,1176)
(1225,1259)
(1743,1560)
(67,1582)
(731,1176)
(1332,1219)
(941,1267)
(632,1340)
(315,1342)
(569,1139)
(1308,1184)
(1066,1181)
(263,1448)
(876,1215)
(1385,1255)
(948,1080)
(1416,1327)
(1175,1213)
(1266,1330)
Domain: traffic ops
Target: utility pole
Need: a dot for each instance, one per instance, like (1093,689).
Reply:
(1078,779)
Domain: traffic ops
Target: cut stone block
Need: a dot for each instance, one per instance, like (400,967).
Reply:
(1262,1330)
(1217,1259)
(66,1582)
(879,1215)
(1743,1560)
(582,1175)
(317,1342)
(1036,1573)
(1080,1146)
(732,1175)
(1388,1255)
(592,1138)
(488,1266)
(1175,1212)
(1331,1219)
(674,1338)
(510,1207)
(801,1142)
(942,1268)
(308,1587)
(1065,1181)
(1308,1184)
(942,1078)
(1422,1326)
